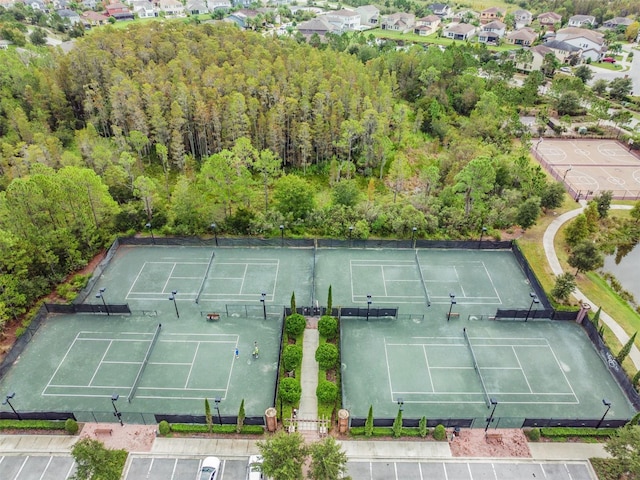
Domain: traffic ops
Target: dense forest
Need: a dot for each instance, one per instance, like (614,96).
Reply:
(178,126)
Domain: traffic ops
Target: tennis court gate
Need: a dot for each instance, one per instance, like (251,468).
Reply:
(362,312)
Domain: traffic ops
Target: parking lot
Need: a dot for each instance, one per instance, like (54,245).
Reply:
(61,467)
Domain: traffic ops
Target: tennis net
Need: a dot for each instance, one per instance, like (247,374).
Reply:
(206,274)
(145,360)
(424,285)
(477,369)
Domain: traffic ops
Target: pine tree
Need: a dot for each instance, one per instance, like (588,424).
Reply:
(207,415)
(241,416)
(626,349)
(368,424)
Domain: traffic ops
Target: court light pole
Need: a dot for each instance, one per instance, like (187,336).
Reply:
(263,299)
(153,239)
(100,295)
(217,401)
(282,235)
(7,402)
(607,404)
(116,413)
(452,296)
(368,306)
(483,230)
(493,402)
(413,237)
(566,171)
(534,299)
(350,233)
(215,232)
(173,297)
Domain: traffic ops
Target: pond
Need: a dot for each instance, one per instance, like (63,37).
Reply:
(626,271)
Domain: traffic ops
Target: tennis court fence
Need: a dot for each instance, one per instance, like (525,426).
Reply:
(109,309)
(23,340)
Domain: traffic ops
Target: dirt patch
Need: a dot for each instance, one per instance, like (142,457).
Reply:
(498,443)
(132,438)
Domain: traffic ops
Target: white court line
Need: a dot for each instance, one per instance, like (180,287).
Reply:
(193,361)
(386,356)
(353,295)
(492,284)
(246,267)
(464,295)
(563,374)
(164,287)
(176,263)
(135,280)
(95,372)
(170,364)
(426,359)
(523,374)
(275,282)
(60,364)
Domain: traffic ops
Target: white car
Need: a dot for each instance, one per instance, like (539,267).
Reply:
(565,69)
(254,468)
(209,469)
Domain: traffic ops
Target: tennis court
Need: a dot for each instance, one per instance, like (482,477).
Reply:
(441,369)
(589,167)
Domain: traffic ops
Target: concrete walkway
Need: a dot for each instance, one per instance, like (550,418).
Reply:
(309,382)
(554,263)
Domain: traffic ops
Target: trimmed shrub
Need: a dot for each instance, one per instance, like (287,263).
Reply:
(397,425)
(291,357)
(164,428)
(533,434)
(440,433)
(328,327)
(290,390)
(368,424)
(327,356)
(422,427)
(241,417)
(71,426)
(327,392)
(295,324)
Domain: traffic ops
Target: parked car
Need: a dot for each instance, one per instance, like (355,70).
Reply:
(609,60)
(254,468)
(565,69)
(209,469)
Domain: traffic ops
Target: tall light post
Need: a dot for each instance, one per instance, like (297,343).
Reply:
(7,402)
(413,237)
(153,239)
(566,171)
(534,299)
(100,295)
(263,299)
(217,401)
(452,297)
(350,233)
(174,293)
(368,306)
(493,402)
(215,232)
(282,235)
(482,232)
(607,404)
(116,413)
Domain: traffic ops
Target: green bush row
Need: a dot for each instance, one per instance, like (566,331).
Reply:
(385,432)
(198,428)
(32,424)
(577,432)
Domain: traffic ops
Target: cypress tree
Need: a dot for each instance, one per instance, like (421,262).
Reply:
(293,302)
(368,425)
(329,302)
(207,415)
(397,425)
(596,318)
(241,416)
(626,349)
(422,427)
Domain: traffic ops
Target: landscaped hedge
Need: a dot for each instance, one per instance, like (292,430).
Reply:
(384,432)
(295,324)
(32,425)
(198,428)
(564,432)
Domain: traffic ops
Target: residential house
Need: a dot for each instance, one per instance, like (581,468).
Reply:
(219,4)
(465,16)
(582,21)
(60,4)
(440,9)
(491,14)
(242,17)
(144,9)
(119,11)
(344,20)
(618,22)
(197,7)
(591,42)
(564,52)
(490,38)
(523,37)
(316,26)
(36,5)
(89,4)
(548,19)
(492,32)
(459,31)
(369,15)
(427,25)
(69,16)
(522,18)
(536,61)
(399,22)
(93,19)
(172,8)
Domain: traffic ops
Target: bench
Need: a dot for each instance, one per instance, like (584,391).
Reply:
(454,315)
(494,436)
(212,317)
(103,431)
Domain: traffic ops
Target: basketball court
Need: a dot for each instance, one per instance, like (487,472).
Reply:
(590,167)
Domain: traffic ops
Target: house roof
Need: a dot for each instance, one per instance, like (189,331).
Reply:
(485,34)
(560,45)
(541,50)
(462,28)
(575,32)
(551,15)
(94,16)
(494,10)
(66,13)
(368,9)
(522,34)
(619,21)
(170,4)
(430,18)
(582,17)
(197,5)
(522,13)
(497,24)
(343,13)
(318,24)
(436,7)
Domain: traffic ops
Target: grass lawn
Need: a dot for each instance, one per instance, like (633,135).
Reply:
(433,39)
(608,66)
